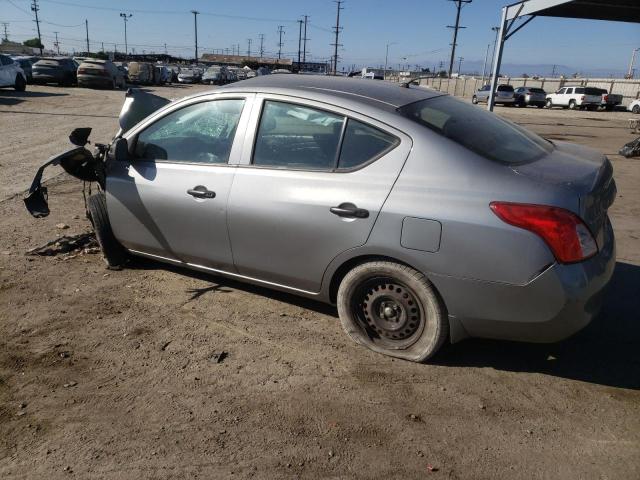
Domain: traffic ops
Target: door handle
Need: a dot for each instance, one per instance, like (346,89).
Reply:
(349,210)
(200,191)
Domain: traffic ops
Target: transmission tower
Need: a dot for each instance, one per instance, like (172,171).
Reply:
(261,37)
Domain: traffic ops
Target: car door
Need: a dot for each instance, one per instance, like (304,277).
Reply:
(312,182)
(483,94)
(170,199)
(5,71)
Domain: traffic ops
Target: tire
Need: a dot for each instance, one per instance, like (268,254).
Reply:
(549,103)
(635,109)
(474,100)
(20,84)
(572,104)
(113,253)
(414,324)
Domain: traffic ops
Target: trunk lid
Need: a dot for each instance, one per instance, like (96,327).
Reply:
(586,173)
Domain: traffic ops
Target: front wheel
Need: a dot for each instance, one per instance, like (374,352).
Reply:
(549,103)
(572,105)
(113,253)
(20,85)
(392,309)
(635,109)
(474,100)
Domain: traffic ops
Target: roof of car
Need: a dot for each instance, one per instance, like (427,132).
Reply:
(379,94)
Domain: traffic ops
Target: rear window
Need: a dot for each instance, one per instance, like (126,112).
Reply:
(505,88)
(536,90)
(477,130)
(593,91)
(50,61)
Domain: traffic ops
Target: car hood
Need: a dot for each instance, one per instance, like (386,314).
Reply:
(138,105)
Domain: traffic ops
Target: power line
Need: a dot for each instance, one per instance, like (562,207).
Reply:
(459,5)
(337,32)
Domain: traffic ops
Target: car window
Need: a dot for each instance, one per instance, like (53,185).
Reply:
(292,136)
(199,133)
(561,91)
(363,143)
(5,60)
(569,91)
(505,88)
(481,132)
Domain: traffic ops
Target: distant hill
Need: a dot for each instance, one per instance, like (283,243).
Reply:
(544,70)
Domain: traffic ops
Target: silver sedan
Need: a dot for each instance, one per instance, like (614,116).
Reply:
(424,219)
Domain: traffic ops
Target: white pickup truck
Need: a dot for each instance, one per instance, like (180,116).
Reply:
(575,97)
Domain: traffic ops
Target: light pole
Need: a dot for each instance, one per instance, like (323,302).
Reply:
(495,29)
(195,24)
(386,58)
(126,18)
(633,61)
(484,67)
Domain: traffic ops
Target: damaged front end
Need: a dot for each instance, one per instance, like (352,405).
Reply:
(84,165)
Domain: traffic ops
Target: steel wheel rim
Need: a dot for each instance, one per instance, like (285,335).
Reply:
(389,312)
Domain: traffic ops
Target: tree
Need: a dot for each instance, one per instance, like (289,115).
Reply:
(33,43)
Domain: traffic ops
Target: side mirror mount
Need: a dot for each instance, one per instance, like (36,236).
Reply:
(121,150)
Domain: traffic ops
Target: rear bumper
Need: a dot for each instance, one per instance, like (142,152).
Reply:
(556,304)
(94,81)
(46,79)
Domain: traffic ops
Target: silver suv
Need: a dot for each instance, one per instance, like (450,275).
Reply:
(504,95)
(422,218)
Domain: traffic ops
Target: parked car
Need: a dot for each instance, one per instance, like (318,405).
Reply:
(189,75)
(525,96)
(216,75)
(60,70)
(174,70)
(634,106)
(363,194)
(575,97)
(97,73)
(281,70)
(141,73)
(251,74)
(504,95)
(26,63)
(11,74)
(609,100)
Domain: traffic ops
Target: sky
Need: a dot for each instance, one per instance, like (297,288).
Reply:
(414,29)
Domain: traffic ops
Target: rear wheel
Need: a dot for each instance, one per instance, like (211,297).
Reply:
(635,109)
(113,253)
(20,84)
(474,100)
(572,104)
(392,309)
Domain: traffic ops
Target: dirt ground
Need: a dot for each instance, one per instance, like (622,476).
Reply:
(157,372)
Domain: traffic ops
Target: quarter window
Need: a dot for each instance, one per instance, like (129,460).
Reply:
(292,136)
(362,144)
(199,133)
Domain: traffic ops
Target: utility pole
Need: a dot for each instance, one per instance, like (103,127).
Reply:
(126,18)
(249,47)
(484,67)
(337,29)
(34,9)
(299,42)
(195,25)
(386,58)
(102,49)
(629,73)
(304,40)
(261,37)
(460,64)
(280,32)
(5,25)
(456,27)
(86,26)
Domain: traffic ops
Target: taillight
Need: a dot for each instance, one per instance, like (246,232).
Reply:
(82,71)
(563,231)
(606,98)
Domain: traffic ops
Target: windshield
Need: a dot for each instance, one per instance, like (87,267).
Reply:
(477,130)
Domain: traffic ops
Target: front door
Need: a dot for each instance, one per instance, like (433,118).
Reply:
(311,189)
(170,199)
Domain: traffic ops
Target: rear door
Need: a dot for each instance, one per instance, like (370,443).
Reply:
(6,71)
(170,200)
(312,182)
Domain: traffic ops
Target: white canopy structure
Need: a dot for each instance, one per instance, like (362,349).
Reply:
(613,10)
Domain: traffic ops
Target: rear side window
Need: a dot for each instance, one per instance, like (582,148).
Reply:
(363,143)
(292,136)
(481,132)
(505,88)
(536,90)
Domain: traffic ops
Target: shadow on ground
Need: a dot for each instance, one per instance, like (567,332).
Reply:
(607,352)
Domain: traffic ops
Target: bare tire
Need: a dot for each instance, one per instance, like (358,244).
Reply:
(474,100)
(392,309)
(113,253)
(20,85)
(572,104)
